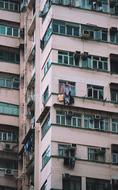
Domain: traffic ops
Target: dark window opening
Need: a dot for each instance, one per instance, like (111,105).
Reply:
(71,182)
(114,63)
(97,184)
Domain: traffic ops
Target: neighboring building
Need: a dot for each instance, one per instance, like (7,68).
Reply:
(9,93)
(59,94)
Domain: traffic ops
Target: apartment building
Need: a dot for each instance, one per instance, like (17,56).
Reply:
(59,94)
(76,95)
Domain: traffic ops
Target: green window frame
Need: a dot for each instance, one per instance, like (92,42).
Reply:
(63,118)
(101,124)
(97,184)
(95,92)
(46,156)
(9,31)
(73,30)
(9,56)
(9,81)
(46,95)
(9,5)
(45,126)
(96,154)
(9,109)
(115,125)
(66,58)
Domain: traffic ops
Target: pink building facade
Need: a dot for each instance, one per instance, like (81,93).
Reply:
(59,97)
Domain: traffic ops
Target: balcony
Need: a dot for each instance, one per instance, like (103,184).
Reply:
(84,102)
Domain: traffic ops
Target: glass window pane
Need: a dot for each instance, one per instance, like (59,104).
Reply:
(15,32)
(76,31)
(9,31)
(69,30)
(2,29)
(6,5)
(1,4)
(62,29)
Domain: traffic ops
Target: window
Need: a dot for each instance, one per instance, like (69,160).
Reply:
(71,183)
(8,136)
(115,158)
(93,32)
(96,122)
(46,156)
(46,95)
(114,151)
(95,92)
(8,5)
(47,66)
(9,31)
(113,35)
(95,62)
(9,81)
(9,109)
(66,86)
(114,95)
(7,188)
(114,63)
(96,154)
(66,58)
(62,150)
(74,30)
(68,118)
(115,125)
(97,184)
(114,92)
(45,126)
(9,56)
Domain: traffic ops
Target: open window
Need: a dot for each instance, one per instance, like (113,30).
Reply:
(114,92)
(114,152)
(66,92)
(114,63)
(71,182)
(114,35)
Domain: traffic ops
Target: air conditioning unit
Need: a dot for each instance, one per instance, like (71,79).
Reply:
(102,149)
(8,147)
(98,117)
(8,172)
(66,175)
(69,113)
(84,55)
(73,146)
(86,34)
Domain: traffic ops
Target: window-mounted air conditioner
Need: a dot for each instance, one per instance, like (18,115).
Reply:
(8,172)
(69,113)
(97,116)
(66,175)
(85,34)
(8,147)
